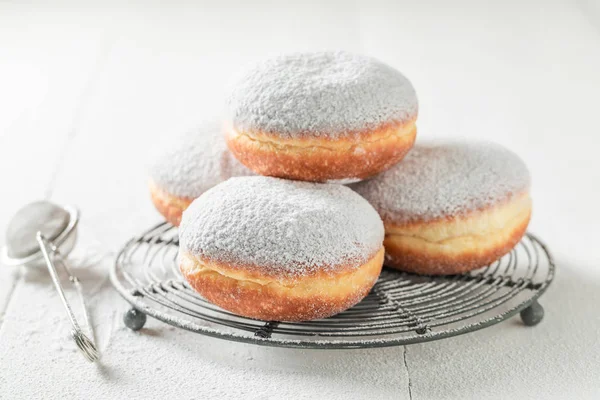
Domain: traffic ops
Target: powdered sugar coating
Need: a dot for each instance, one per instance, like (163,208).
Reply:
(280,227)
(445,178)
(194,162)
(320,94)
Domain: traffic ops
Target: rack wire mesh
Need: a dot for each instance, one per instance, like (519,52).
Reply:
(401,308)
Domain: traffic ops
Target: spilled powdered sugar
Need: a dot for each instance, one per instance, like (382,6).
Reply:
(192,163)
(321,94)
(444,178)
(281,227)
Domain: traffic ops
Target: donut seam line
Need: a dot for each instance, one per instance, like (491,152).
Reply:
(174,199)
(351,148)
(199,268)
(205,271)
(165,193)
(465,217)
(442,241)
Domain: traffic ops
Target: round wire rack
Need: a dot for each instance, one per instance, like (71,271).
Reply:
(400,309)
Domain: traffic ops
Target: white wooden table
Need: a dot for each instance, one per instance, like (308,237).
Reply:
(86,90)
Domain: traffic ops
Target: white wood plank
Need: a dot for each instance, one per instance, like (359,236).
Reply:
(555,359)
(522,75)
(526,76)
(166,72)
(44,71)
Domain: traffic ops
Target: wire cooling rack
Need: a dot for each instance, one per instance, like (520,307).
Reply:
(401,308)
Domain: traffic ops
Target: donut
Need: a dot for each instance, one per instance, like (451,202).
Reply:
(187,166)
(321,117)
(278,250)
(451,206)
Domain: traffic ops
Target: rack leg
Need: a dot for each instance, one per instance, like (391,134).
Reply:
(533,314)
(134,319)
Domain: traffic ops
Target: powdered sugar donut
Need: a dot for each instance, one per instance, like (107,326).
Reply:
(450,207)
(189,165)
(273,249)
(321,116)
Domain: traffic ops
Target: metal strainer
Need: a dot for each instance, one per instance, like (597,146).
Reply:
(43,232)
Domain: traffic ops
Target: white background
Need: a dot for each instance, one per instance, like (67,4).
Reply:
(86,90)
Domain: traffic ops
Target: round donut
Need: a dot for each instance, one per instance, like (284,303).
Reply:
(189,165)
(321,117)
(451,207)
(280,250)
